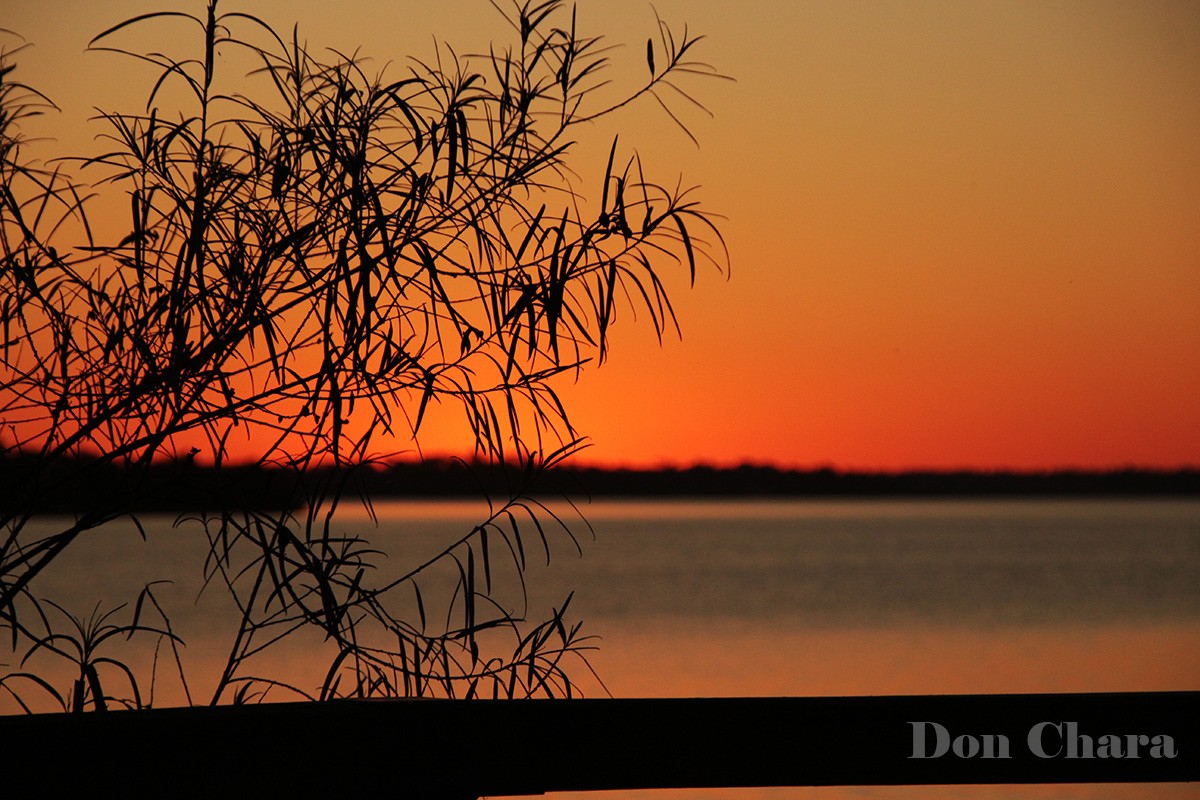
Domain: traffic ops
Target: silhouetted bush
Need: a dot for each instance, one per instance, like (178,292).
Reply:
(315,255)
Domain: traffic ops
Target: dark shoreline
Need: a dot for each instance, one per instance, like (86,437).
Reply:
(185,486)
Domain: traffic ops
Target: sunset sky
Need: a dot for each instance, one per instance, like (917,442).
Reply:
(961,234)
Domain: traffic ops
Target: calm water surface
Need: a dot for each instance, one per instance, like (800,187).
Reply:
(696,598)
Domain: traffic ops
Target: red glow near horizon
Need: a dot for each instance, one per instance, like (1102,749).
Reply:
(962,236)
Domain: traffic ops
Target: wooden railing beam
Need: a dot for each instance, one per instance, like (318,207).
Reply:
(462,749)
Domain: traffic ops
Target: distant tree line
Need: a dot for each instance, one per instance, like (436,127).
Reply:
(183,485)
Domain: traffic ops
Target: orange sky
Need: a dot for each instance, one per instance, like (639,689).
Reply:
(962,234)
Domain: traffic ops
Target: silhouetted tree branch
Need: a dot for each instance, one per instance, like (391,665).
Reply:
(314,256)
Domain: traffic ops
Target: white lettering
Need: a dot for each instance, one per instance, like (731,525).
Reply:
(1162,746)
(966,746)
(942,737)
(1075,739)
(1036,740)
(1109,747)
(1063,739)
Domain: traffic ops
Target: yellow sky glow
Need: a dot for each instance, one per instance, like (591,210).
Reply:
(962,234)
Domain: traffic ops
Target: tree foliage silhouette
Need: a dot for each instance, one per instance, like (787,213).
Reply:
(315,255)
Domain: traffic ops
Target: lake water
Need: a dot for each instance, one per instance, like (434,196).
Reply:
(771,598)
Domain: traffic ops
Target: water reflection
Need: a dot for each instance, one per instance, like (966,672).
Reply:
(774,599)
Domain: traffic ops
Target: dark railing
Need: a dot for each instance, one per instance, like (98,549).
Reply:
(467,749)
